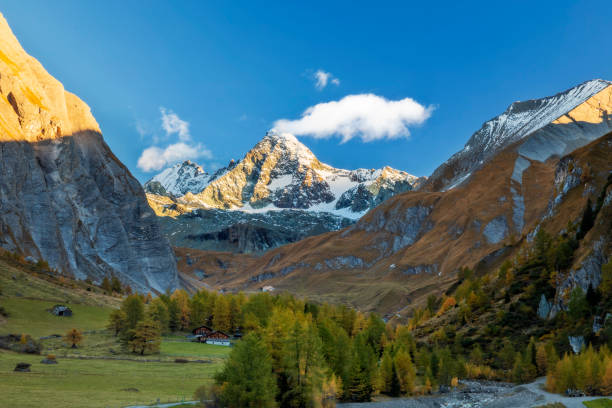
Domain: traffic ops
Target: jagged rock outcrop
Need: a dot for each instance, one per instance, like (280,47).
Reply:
(279,173)
(64,196)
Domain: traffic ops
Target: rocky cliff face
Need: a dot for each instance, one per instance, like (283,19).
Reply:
(536,173)
(64,196)
(278,174)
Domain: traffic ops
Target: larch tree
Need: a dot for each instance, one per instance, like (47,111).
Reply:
(221,314)
(146,337)
(606,381)
(117,321)
(405,371)
(247,379)
(73,337)
(182,302)
(158,312)
(133,307)
(303,366)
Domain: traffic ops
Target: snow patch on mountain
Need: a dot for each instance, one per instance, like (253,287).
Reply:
(518,122)
(182,178)
(281,173)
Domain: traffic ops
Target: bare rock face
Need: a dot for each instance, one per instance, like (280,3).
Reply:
(64,196)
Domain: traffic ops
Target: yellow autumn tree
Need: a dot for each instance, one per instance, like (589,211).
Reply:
(541,358)
(184,311)
(448,303)
(405,371)
(606,381)
(221,314)
(73,337)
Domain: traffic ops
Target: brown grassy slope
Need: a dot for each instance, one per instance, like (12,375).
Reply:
(452,237)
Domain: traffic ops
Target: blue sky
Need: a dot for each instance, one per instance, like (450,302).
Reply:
(231,69)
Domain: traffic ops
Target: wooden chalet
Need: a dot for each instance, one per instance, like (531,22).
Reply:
(218,338)
(202,332)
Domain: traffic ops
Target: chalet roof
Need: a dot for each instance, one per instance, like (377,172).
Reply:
(202,327)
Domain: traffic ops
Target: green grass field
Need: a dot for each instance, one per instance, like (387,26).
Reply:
(30,316)
(599,403)
(98,383)
(184,349)
(90,383)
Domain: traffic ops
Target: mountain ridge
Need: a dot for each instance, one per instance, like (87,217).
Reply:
(277,186)
(509,127)
(279,172)
(414,243)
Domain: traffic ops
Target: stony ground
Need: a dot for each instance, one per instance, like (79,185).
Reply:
(473,394)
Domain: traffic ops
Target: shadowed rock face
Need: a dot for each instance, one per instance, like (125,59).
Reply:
(64,196)
(242,232)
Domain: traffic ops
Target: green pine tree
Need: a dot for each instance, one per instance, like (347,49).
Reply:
(247,379)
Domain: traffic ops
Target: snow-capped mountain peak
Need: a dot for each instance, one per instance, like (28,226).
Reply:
(289,145)
(280,172)
(180,179)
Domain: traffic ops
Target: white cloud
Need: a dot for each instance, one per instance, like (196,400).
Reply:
(172,124)
(156,158)
(367,116)
(322,78)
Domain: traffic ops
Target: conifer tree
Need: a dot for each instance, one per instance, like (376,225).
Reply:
(198,315)
(158,312)
(541,359)
(386,371)
(117,321)
(116,284)
(106,285)
(221,314)
(146,337)
(405,371)
(361,381)
(303,366)
(606,381)
(181,298)
(394,386)
(133,307)
(247,379)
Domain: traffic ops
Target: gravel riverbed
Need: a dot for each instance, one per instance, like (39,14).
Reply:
(480,394)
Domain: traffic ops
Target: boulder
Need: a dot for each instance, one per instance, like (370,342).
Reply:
(23,367)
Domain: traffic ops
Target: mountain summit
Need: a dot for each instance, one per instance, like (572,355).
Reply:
(278,174)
